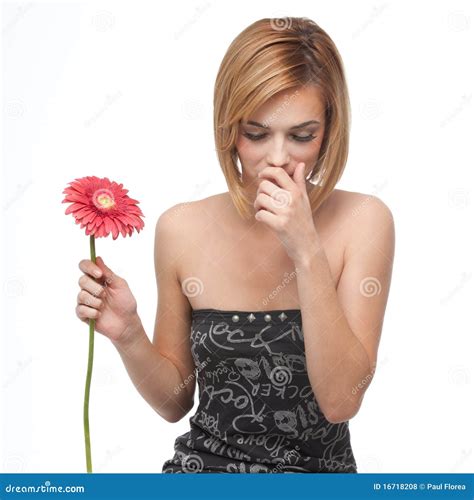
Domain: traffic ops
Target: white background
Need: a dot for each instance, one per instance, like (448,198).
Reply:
(124,90)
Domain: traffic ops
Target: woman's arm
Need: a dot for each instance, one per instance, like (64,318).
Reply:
(163,370)
(342,327)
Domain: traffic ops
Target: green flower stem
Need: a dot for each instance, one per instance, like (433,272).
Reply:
(89,375)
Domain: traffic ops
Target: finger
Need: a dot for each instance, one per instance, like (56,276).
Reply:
(267,187)
(278,175)
(88,267)
(89,300)
(108,274)
(299,176)
(85,312)
(264,202)
(267,218)
(90,285)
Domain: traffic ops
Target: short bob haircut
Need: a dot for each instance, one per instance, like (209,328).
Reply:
(269,56)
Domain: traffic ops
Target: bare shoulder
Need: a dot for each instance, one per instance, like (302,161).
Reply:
(182,219)
(357,203)
(366,216)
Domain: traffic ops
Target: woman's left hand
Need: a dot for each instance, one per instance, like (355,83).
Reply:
(282,203)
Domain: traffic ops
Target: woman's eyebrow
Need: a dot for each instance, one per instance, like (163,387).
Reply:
(301,125)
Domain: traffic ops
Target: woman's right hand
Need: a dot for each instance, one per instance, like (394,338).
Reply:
(105,298)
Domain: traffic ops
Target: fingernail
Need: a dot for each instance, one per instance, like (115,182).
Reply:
(97,274)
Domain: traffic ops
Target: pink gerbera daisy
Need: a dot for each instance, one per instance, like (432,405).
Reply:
(103,207)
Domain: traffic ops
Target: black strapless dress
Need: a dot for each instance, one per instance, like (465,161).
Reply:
(257,411)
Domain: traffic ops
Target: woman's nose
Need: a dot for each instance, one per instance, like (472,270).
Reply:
(277,156)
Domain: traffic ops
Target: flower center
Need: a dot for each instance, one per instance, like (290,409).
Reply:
(103,199)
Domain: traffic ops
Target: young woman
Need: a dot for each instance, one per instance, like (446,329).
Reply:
(271,295)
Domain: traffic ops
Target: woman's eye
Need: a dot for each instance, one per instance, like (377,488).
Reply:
(304,138)
(299,138)
(254,137)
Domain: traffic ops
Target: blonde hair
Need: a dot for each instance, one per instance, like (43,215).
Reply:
(269,56)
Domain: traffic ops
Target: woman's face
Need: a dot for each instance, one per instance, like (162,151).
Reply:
(285,130)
